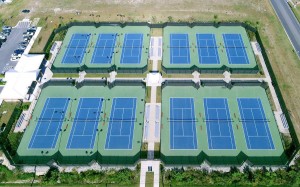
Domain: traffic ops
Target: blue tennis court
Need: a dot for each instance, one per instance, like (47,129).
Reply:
(235,49)
(179,49)
(255,124)
(104,48)
(49,124)
(218,122)
(207,49)
(85,124)
(182,124)
(76,49)
(121,124)
(132,49)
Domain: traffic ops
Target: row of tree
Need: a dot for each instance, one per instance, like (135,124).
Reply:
(289,176)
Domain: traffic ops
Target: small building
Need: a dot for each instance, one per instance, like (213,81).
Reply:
(19,80)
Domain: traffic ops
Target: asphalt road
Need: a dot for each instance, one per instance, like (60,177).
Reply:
(11,44)
(289,22)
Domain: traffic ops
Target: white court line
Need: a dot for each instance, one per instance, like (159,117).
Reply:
(229,124)
(258,136)
(132,124)
(75,124)
(183,136)
(266,124)
(98,113)
(187,108)
(60,123)
(44,135)
(192,103)
(218,121)
(244,50)
(221,137)
(244,124)
(254,122)
(120,135)
(38,125)
(111,124)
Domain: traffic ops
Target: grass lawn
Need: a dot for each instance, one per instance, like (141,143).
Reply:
(283,59)
(149,179)
(6,110)
(158,94)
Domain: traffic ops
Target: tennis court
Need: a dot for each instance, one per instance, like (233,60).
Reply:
(179,49)
(218,122)
(85,124)
(132,49)
(104,48)
(182,124)
(255,124)
(49,124)
(207,49)
(235,49)
(76,49)
(121,124)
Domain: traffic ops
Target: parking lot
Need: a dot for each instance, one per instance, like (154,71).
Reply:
(11,44)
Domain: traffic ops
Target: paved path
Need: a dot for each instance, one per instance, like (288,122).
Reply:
(155,168)
(289,22)
(155,55)
(279,116)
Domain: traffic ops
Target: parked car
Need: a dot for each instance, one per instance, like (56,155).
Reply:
(22,47)
(15,58)
(26,38)
(0,44)
(31,29)
(5,27)
(30,33)
(2,36)
(17,53)
(23,43)
(2,39)
(6,32)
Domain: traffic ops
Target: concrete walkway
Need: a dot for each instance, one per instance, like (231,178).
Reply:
(279,116)
(153,80)
(145,165)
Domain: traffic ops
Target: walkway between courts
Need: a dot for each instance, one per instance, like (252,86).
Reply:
(153,80)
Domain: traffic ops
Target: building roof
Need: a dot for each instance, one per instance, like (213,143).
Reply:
(19,80)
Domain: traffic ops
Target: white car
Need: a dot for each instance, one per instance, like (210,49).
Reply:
(2,37)
(5,27)
(15,58)
(32,29)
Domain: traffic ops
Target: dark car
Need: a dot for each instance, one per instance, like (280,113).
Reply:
(5,27)
(6,33)
(27,38)
(22,47)
(26,11)
(23,43)
(18,52)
